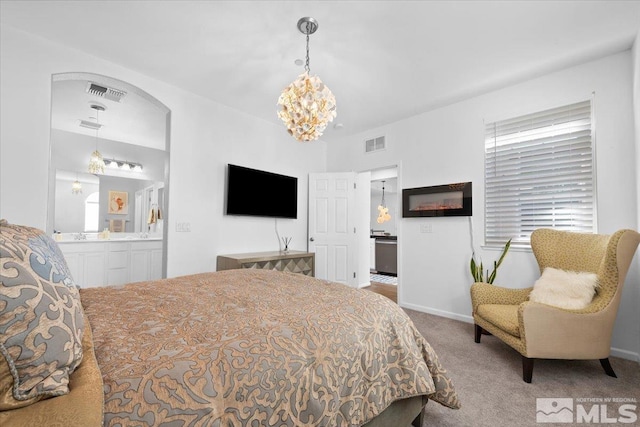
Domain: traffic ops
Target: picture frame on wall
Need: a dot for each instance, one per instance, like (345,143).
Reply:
(437,200)
(118,202)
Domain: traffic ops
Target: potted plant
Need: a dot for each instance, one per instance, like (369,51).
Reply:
(477,270)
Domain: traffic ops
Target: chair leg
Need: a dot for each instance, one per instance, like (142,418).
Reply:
(419,420)
(478,332)
(607,367)
(527,369)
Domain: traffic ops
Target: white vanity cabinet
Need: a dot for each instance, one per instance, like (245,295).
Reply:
(146,261)
(101,263)
(118,263)
(87,262)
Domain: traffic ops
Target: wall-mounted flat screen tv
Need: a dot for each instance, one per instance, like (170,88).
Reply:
(256,192)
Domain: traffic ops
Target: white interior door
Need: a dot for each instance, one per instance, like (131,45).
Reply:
(334,225)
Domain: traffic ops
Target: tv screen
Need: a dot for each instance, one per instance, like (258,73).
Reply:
(259,193)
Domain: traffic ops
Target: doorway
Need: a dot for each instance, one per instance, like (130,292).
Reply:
(340,225)
(135,153)
(383,239)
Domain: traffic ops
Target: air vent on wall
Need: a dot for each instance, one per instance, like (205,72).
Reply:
(89,125)
(374,144)
(105,92)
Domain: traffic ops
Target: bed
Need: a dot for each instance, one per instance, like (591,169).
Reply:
(228,348)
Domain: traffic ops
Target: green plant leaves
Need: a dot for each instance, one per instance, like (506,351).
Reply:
(477,270)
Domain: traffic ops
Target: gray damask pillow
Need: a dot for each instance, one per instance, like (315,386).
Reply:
(41,317)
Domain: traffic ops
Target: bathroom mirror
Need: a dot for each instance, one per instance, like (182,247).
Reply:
(129,128)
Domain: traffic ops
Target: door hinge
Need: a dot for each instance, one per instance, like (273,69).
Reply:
(354,230)
(354,274)
(354,186)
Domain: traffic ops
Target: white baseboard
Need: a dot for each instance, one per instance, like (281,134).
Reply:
(616,352)
(436,312)
(625,354)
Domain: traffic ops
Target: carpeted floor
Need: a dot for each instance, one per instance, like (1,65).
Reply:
(488,378)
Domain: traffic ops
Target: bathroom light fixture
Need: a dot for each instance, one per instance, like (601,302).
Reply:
(96,162)
(383,210)
(307,105)
(123,165)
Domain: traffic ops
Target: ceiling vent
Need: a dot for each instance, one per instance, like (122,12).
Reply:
(105,92)
(374,144)
(90,125)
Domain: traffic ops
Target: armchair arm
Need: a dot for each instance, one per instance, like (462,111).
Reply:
(554,333)
(485,293)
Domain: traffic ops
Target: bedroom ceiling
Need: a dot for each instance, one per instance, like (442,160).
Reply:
(383,60)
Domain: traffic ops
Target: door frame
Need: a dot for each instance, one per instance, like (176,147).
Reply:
(398,167)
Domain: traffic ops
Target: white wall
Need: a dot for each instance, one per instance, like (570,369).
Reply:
(447,145)
(636,109)
(205,136)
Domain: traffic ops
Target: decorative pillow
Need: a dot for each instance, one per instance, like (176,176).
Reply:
(564,289)
(41,317)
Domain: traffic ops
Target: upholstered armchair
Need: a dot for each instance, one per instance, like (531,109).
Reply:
(542,331)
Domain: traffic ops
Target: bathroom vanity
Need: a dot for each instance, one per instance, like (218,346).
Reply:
(98,262)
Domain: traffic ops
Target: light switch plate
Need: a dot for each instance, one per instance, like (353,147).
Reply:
(183,227)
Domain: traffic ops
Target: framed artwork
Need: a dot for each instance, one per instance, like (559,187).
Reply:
(118,202)
(439,200)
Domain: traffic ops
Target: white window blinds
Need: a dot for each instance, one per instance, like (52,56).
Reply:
(539,172)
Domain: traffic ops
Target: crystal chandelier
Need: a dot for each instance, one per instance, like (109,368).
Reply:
(76,187)
(307,105)
(96,162)
(383,210)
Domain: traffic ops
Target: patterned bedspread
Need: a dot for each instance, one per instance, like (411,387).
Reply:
(256,348)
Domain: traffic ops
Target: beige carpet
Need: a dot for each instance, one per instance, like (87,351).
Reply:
(488,377)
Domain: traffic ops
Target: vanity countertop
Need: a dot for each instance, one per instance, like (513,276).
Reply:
(92,238)
(383,237)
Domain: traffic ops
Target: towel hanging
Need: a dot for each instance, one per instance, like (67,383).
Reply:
(152,216)
(116,225)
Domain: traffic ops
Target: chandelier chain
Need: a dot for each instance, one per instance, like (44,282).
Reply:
(306,64)
(98,126)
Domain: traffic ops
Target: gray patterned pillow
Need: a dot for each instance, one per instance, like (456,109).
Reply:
(41,317)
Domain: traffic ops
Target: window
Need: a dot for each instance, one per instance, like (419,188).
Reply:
(539,172)
(91,212)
